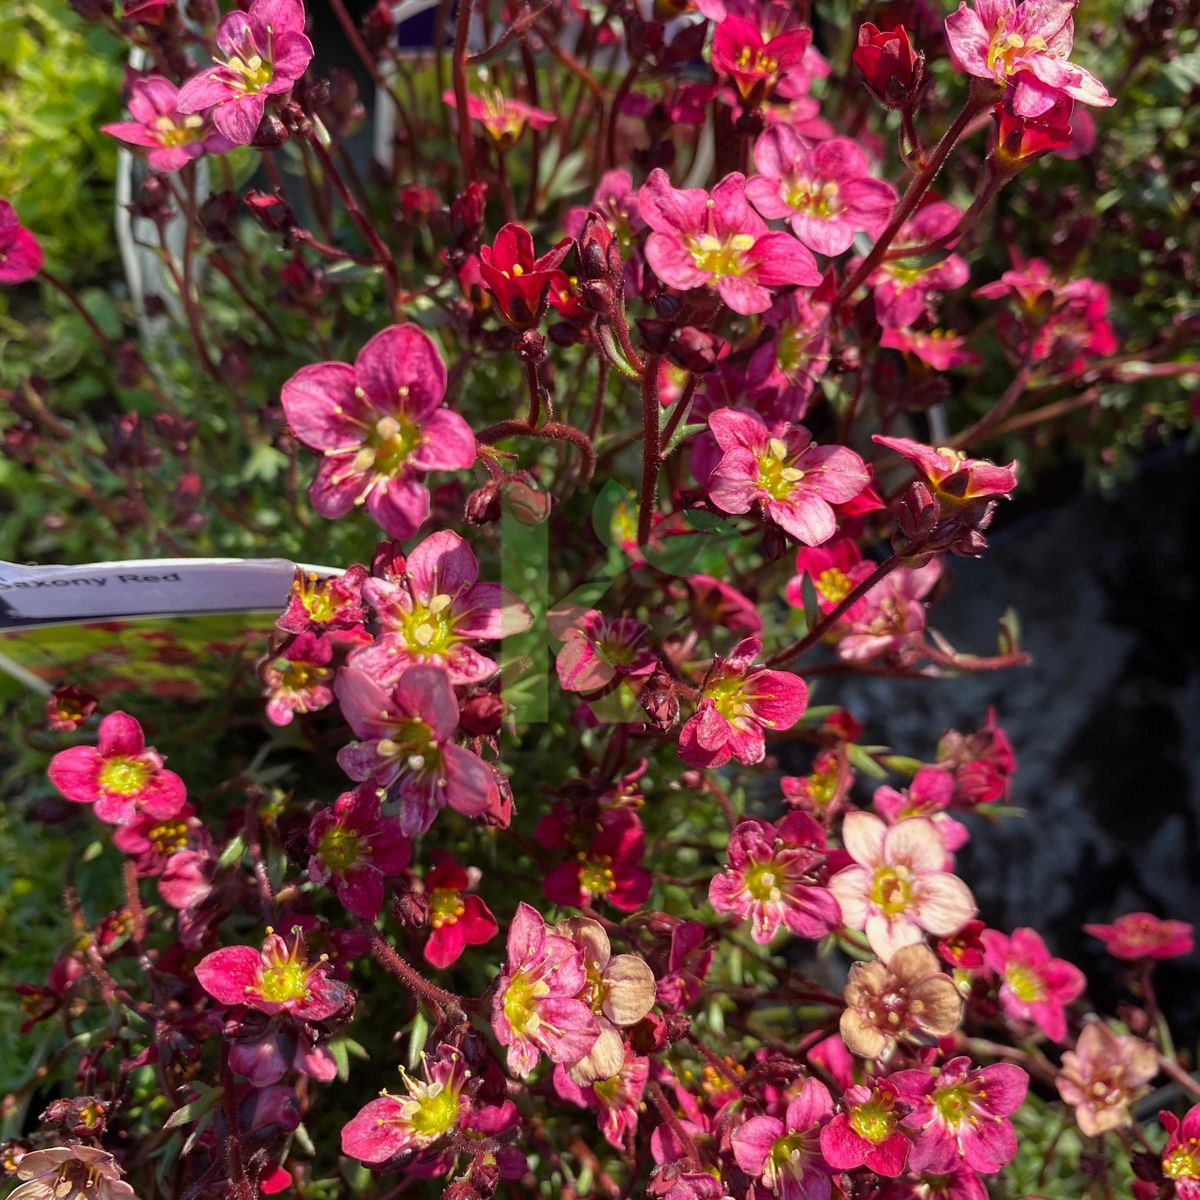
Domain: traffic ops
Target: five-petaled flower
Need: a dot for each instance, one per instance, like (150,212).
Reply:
(785,1154)
(173,138)
(756,66)
(719,241)
(737,703)
(519,281)
(457,918)
(1033,985)
(265,52)
(867,1132)
(504,119)
(1181,1154)
(771,876)
(380,426)
(898,888)
(1103,1076)
(1142,935)
(120,777)
(796,481)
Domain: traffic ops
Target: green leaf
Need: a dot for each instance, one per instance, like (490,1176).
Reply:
(860,760)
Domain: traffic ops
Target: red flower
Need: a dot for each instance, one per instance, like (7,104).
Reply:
(893,71)
(20,253)
(756,67)
(121,776)
(518,281)
(67,707)
(1140,935)
(867,1132)
(1020,140)
(607,867)
(458,920)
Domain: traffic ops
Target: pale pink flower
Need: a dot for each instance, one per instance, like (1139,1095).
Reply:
(380,427)
(771,876)
(898,889)
(1025,46)
(596,650)
(265,52)
(70,1172)
(719,241)
(1103,1075)
(825,189)
(535,1009)
(434,611)
(796,481)
(407,745)
(173,138)
(889,622)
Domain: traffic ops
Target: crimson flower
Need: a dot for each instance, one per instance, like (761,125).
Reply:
(297,679)
(121,776)
(756,66)
(379,426)
(265,52)
(1141,935)
(607,868)
(20,252)
(1181,1154)
(519,281)
(355,848)
(321,605)
(867,1132)
(893,71)
(504,119)
(457,918)
(951,474)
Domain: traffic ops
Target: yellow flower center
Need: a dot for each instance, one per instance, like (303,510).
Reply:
(178,133)
(727,697)
(124,776)
(718,258)
(953,1104)
(1025,984)
(255,74)
(430,629)
(756,61)
(436,1114)
(286,980)
(520,1002)
(892,890)
(762,882)
(596,875)
(168,837)
(873,1121)
(389,445)
(1183,1162)
(1006,50)
(813,199)
(833,585)
(338,849)
(445,906)
(776,476)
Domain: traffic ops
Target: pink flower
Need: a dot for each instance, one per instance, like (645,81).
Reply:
(121,776)
(504,119)
(407,745)
(434,611)
(867,1132)
(797,355)
(321,605)
(152,841)
(379,426)
(756,66)
(457,918)
(608,868)
(898,889)
(904,286)
(835,568)
(1033,986)
(796,481)
(428,1109)
(824,189)
(719,241)
(265,52)
(616,1100)
(1026,46)
(771,875)
(891,620)
(278,979)
(174,139)
(354,847)
(953,476)
(535,1010)
(980,763)
(785,1155)
(737,702)
(595,650)
(1142,935)
(936,348)
(1103,1075)
(297,679)
(929,795)
(20,252)
(962,1114)
(1181,1154)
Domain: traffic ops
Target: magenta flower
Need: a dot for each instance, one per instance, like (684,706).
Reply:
(278,979)
(1103,1076)
(355,848)
(929,795)
(796,481)
(898,889)
(321,605)
(265,52)
(1033,985)
(951,474)
(504,119)
(616,1101)
(824,189)
(835,568)
(433,612)
(1181,1154)
(535,1010)
(737,703)
(936,348)
(153,841)
(427,1110)
(20,252)
(407,745)
(297,679)
(889,621)
(607,868)
(719,241)
(792,361)
(785,1155)
(756,66)
(1024,46)
(595,651)
(771,875)
(458,919)
(867,1132)
(379,426)
(121,777)
(174,139)
(962,1114)
(1142,935)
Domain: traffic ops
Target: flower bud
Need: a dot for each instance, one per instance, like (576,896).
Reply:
(659,700)
(483,504)
(466,216)
(524,499)
(271,132)
(481,715)
(217,215)
(599,256)
(893,71)
(272,212)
